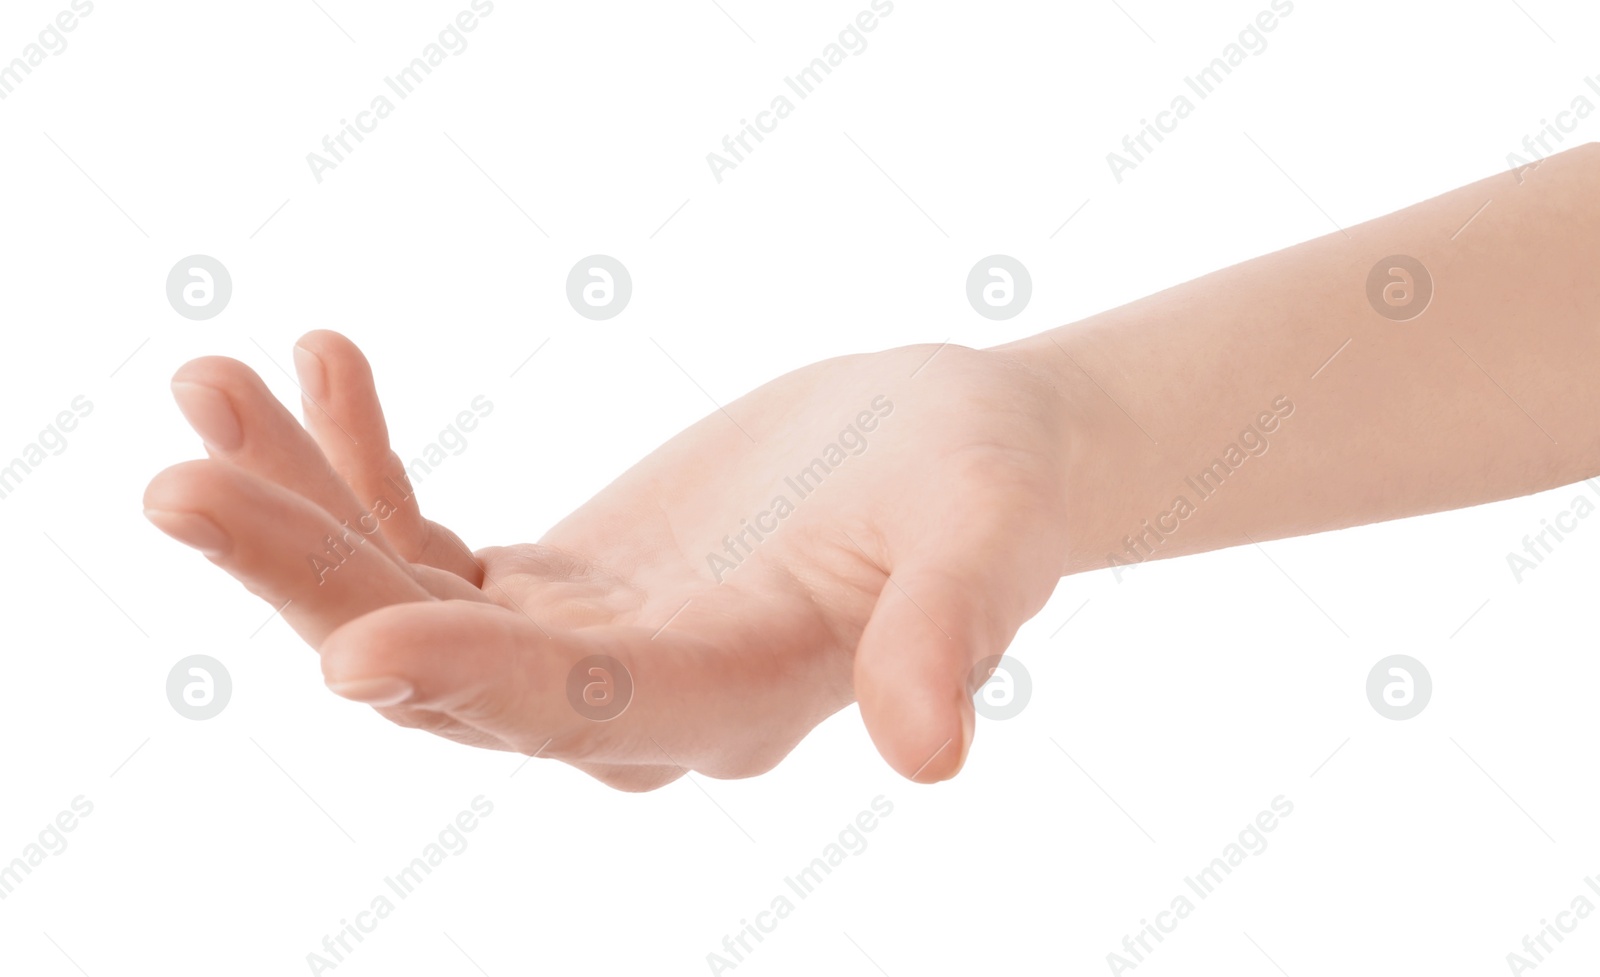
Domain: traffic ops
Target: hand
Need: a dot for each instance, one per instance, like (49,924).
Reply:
(746,590)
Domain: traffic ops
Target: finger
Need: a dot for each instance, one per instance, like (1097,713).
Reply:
(279,544)
(446,585)
(484,665)
(240,420)
(496,686)
(951,604)
(343,412)
(441,725)
(672,702)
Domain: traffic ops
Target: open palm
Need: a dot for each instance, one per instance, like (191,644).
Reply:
(868,528)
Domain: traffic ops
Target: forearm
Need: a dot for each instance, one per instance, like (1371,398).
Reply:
(1492,392)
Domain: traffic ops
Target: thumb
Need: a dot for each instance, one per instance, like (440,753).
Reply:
(938,616)
(487,676)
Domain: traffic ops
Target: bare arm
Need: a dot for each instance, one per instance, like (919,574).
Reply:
(876,527)
(1338,414)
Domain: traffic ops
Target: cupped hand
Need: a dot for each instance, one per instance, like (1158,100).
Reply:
(870,528)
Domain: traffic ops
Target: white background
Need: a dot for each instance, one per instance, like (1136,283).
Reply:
(1192,692)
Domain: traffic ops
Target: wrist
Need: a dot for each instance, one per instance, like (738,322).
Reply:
(1104,456)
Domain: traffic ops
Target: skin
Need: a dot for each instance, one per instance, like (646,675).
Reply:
(990,475)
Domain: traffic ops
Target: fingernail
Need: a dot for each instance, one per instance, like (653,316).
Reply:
(210,412)
(191,529)
(313,374)
(382,691)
